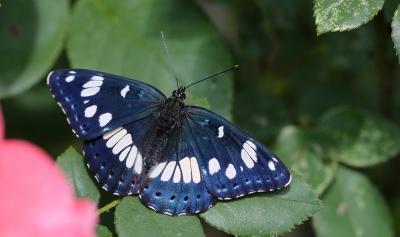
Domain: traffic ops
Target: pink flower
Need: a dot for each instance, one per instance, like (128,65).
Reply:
(36,200)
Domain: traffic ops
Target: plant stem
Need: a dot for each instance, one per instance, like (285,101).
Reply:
(108,206)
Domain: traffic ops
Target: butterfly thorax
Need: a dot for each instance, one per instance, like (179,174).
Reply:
(167,120)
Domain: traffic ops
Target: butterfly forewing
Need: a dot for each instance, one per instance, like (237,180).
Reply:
(96,102)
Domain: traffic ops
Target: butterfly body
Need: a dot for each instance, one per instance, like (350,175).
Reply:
(179,159)
(171,116)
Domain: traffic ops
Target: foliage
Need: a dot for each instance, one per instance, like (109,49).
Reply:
(326,103)
(349,206)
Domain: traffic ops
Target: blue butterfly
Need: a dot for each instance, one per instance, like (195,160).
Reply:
(179,159)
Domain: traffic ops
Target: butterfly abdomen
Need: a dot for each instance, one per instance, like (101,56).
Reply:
(158,138)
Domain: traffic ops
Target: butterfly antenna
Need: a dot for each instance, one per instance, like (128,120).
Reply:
(171,65)
(214,75)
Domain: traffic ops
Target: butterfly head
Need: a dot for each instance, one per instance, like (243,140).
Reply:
(179,93)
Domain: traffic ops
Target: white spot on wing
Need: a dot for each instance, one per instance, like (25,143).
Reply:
(186,172)
(177,175)
(99,78)
(157,171)
(104,119)
(169,169)
(90,91)
(251,151)
(114,139)
(221,132)
(251,144)
(230,172)
(124,91)
(271,165)
(246,159)
(195,170)
(71,72)
(69,78)
(124,142)
(109,134)
(90,84)
(213,166)
(123,154)
(90,111)
(138,163)
(131,157)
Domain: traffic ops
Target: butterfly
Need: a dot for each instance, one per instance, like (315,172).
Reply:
(179,159)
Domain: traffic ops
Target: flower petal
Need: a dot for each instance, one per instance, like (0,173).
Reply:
(2,131)
(36,198)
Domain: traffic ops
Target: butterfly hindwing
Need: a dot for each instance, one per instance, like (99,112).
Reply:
(233,163)
(175,186)
(97,102)
(116,158)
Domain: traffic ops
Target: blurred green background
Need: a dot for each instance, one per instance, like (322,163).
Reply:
(324,100)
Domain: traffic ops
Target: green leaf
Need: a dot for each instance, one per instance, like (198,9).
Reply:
(30,40)
(396,30)
(306,153)
(353,207)
(363,139)
(102,231)
(132,46)
(265,214)
(73,166)
(341,15)
(133,218)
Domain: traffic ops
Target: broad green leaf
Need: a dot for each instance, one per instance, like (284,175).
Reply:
(341,15)
(265,214)
(102,231)
(31,38)
(306,153)
(132,218)
(363,139)
(396,30)
(115,41)
(71,162)
(353,207)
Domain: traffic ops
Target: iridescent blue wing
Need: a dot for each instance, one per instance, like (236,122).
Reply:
(175,186)
(116,158)
(97,102)
(209,158)
(233,163)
